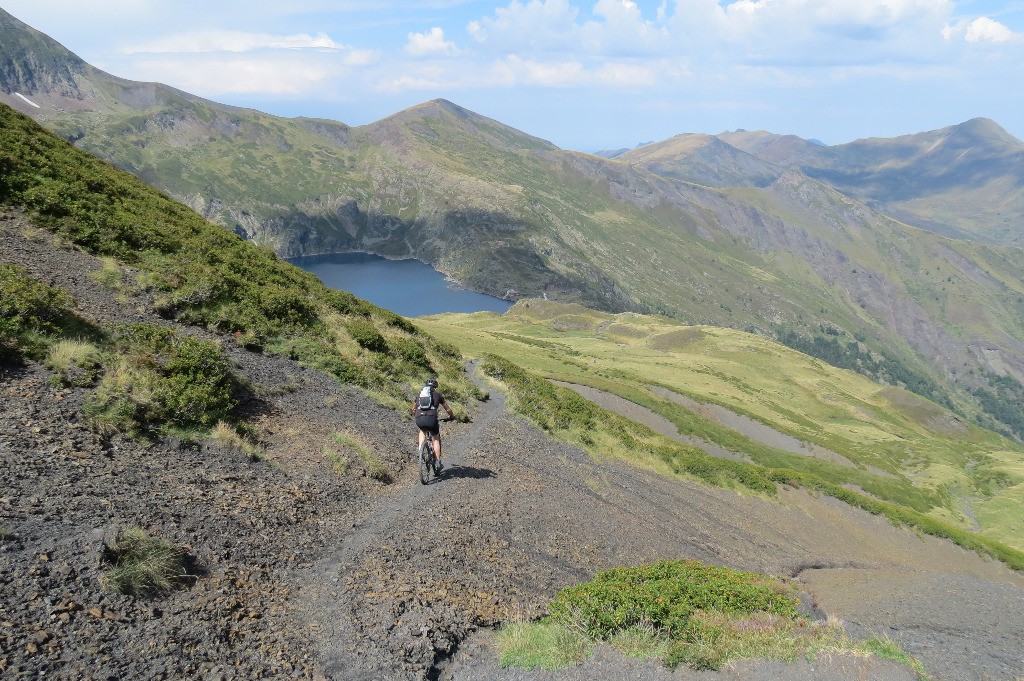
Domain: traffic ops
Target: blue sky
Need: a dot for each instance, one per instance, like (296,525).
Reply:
(584,74)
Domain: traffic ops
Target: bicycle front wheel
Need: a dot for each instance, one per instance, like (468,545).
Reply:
(426,455)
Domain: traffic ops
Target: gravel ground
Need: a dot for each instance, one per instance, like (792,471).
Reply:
(305,573)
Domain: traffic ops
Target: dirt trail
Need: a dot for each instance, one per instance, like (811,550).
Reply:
(416,601)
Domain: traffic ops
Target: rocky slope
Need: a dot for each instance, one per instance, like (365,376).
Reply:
(305,572)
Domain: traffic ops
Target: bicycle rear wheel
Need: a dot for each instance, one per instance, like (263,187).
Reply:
(426,456)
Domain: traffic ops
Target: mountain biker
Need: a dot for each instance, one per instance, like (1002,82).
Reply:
(425,408)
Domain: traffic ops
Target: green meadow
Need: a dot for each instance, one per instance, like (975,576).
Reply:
(884,444)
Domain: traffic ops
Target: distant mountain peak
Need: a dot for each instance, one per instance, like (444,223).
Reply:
(457,118)
(987,130)
(32,62)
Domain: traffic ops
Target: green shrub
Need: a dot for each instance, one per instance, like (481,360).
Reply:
(682,612)
(10,341)
(367,335)
(140,565)
(665,595)
(446,350)
(163,380)
(347,304)
(29,311)
(548,405)
(399,322)
(410,351)
(316,353)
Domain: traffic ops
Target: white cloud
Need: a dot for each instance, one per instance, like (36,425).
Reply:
(517,71)
(215,75)
(984,29)
(759,30)
(432,42)
(231,41)
(413,83)
(546,25)
(626,75)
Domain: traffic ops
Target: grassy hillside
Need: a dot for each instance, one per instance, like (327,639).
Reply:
(197,273)
(891,444)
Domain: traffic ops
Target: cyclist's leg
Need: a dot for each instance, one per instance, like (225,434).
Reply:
(437,442)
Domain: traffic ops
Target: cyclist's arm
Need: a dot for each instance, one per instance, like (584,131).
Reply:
(444,403)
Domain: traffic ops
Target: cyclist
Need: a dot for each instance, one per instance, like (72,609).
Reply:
(425,408)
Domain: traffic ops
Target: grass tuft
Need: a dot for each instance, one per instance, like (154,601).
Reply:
(74,362)
(888,649)
(338,462)
(141,565)
(375,468)
(108,275)
(641,641)
(542,645)
(227,435)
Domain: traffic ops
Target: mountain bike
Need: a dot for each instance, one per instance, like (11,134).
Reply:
(428,468)
(425,454)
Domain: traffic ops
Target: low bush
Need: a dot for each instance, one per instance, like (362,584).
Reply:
(162,379)
(367,335)
(411,352)
(682,612)
(33,314)
(665,595)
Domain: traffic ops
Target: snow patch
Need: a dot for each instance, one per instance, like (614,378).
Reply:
(26,99)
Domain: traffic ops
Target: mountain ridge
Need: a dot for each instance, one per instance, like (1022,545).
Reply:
(500,210)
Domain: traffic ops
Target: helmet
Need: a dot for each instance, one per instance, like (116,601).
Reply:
(432,382)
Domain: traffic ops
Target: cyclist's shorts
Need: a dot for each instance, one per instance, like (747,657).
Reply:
(429,422)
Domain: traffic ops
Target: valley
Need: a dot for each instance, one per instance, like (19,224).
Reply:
(745,350)
(769,242)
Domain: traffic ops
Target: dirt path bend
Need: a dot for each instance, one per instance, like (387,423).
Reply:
(412,590)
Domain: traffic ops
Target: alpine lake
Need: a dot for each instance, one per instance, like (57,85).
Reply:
(407,287)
